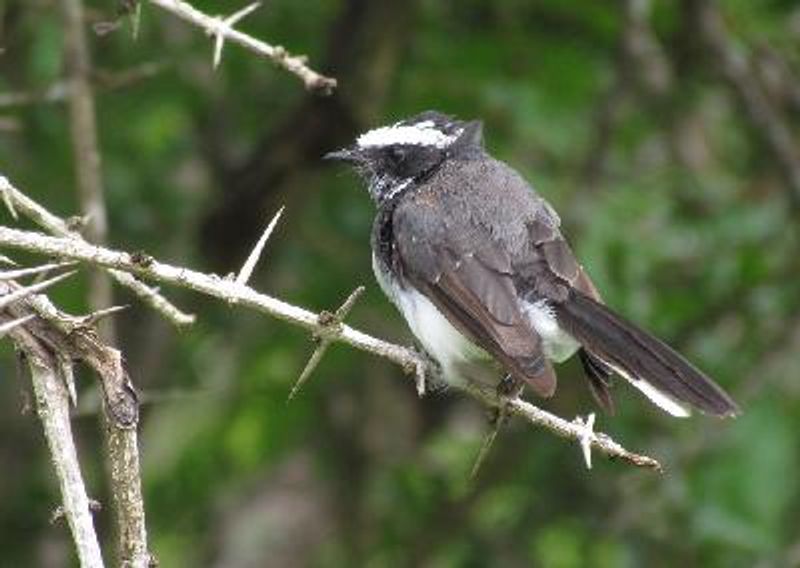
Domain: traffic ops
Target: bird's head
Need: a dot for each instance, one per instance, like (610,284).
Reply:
(391,158)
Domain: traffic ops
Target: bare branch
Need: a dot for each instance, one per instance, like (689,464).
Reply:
(53,408)
(221,30)
(52,404)
(57,226)
(570,430)
(252,260)
(232,292)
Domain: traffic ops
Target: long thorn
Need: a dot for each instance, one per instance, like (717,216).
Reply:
(8,326)
(255,254)
(7,200)
(328,321)
(586,437)
(22,272)
(97,315)
(313,361)
(21,293)
(488,442)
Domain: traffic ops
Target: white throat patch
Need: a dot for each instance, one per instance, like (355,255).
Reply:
(420,134)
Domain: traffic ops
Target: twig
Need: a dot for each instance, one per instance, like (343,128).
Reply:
(232,292)
(221,30)
(18,201)
(570,430)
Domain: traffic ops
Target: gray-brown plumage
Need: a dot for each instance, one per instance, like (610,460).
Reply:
(461,239)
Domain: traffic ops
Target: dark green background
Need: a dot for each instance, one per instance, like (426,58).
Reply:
(668,193)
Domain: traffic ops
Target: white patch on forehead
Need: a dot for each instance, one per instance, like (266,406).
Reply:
(420,134)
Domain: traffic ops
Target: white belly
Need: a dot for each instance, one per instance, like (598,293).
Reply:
(445,344)
(436,334)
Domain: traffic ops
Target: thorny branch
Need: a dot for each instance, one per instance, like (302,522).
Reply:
(234,293)
(20,204)
(52,403)
(221,29)
(50,341)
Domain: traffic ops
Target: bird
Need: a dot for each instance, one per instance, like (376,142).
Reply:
(475,261)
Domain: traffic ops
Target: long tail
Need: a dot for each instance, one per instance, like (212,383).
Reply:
(648,363)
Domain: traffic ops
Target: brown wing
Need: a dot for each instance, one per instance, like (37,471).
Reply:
(469,279)
(558,268)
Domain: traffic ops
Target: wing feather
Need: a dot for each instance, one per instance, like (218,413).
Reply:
(469,281)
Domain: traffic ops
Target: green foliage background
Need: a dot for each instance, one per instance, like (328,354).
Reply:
(679,212)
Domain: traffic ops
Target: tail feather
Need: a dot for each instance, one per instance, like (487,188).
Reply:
(599,376)
(648,363)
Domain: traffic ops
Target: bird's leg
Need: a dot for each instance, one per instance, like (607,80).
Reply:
(432,381)
(508,389)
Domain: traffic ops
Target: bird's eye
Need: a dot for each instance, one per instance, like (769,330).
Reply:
(397,154)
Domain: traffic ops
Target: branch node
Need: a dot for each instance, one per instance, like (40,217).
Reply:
(330,329)
(221,29)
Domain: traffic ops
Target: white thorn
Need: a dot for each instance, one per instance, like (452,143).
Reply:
(8,326)
(222,26)
(219,41)
(237,16)
(255,254)
(8,299)
(586,437)
(22,272)
(4,193)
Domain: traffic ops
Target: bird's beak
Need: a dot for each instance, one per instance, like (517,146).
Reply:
(344,155)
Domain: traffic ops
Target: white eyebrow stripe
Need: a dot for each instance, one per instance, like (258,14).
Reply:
(421,134)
